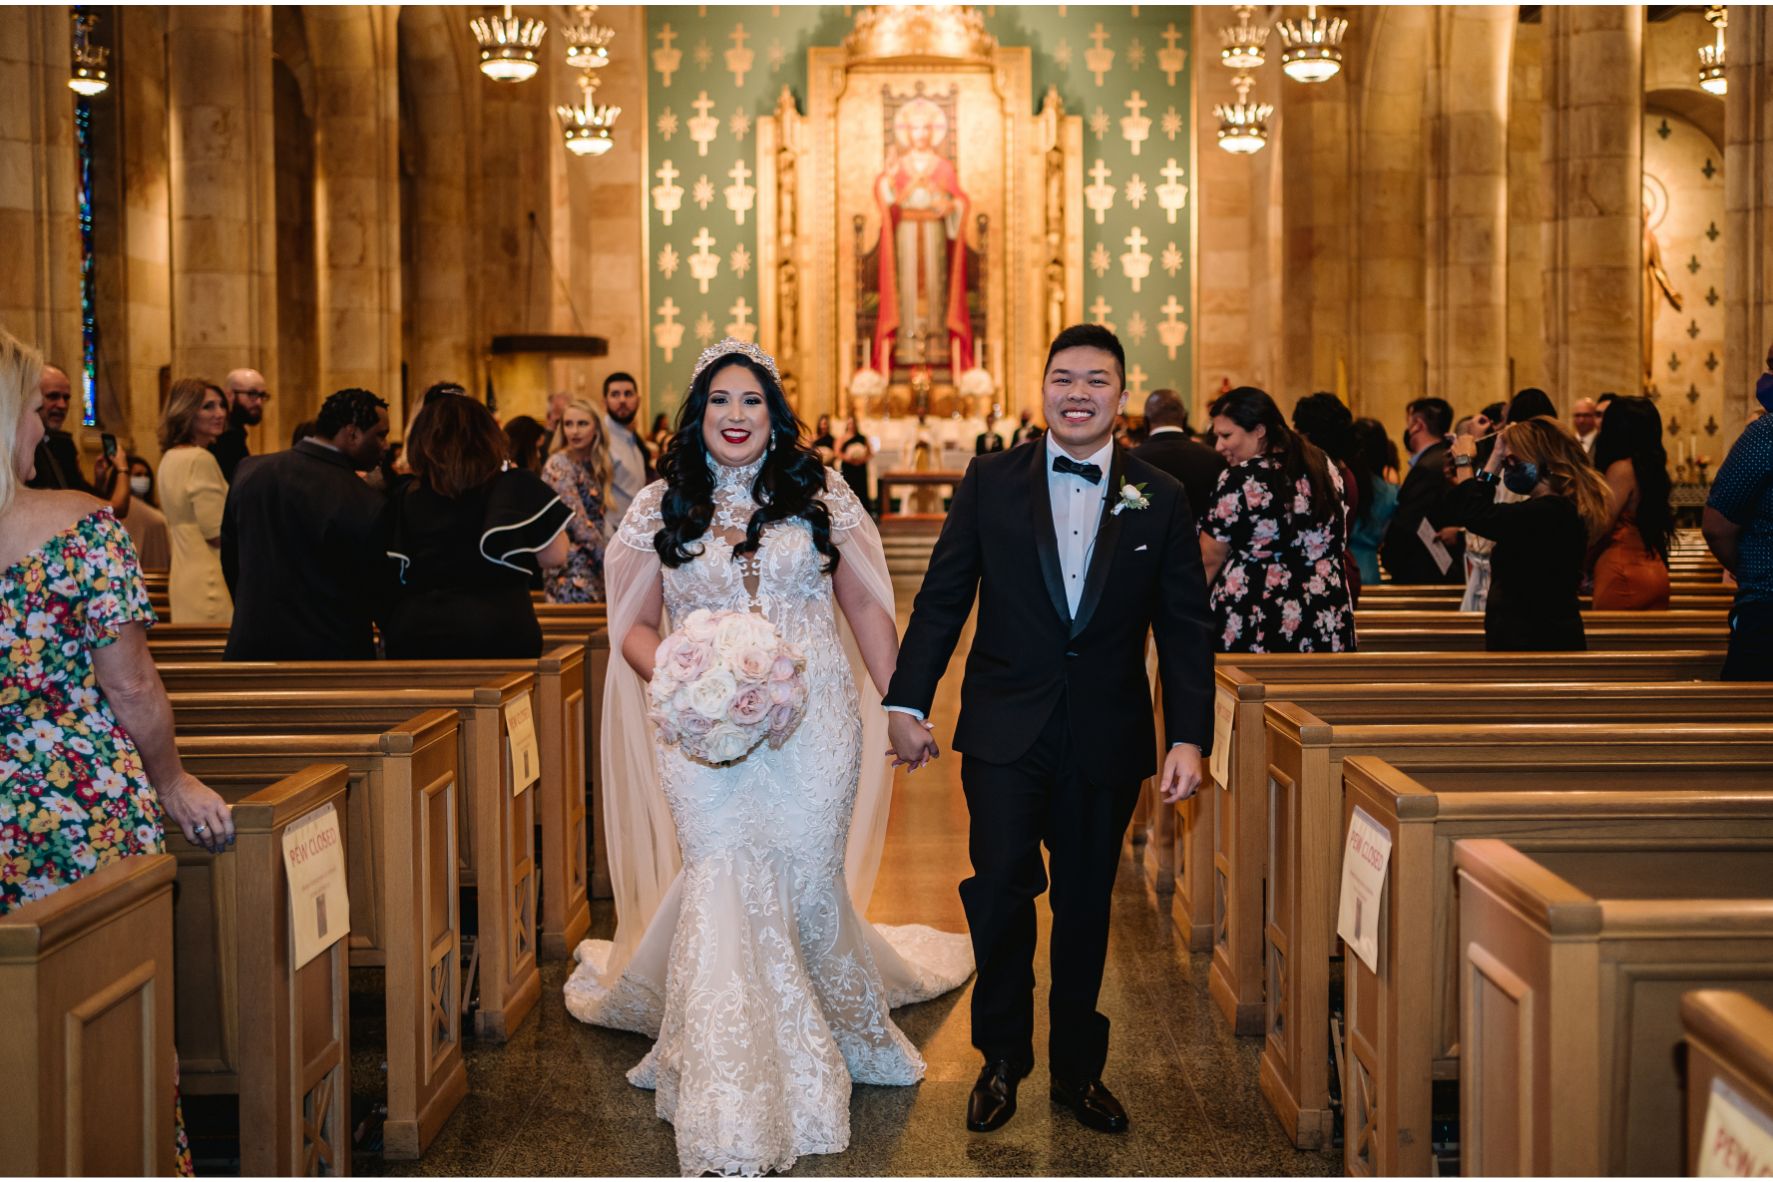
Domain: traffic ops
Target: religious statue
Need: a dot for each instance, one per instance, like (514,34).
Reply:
(1655,279)
(923,258)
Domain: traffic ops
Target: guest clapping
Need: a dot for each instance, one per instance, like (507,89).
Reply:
(578,471)
(1541,542)
(1631,566)
(1273,536)
(467,532)
(193,493)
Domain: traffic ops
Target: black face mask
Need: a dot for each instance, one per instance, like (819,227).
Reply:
(1521,479)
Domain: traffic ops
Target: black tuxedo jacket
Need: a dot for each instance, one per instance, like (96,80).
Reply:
(987,442)
(1195,464)
(301,554)
(1028,652)
(1406,557)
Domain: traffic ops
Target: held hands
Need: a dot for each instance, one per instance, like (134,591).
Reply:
(912,743)
(202,816)
(1181,774)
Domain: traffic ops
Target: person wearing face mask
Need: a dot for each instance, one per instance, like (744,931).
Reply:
(1407,556)
(578,469)
(144,521)
(299,542)
(1541,542)
(192,495)
(1738,527)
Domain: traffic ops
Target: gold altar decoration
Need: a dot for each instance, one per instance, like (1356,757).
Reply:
(915,219)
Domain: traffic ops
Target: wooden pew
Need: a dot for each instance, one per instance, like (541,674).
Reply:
(1729,1040)
(1401,1022)
(1464,632)
(401,791)
(282,1032)
(1222,837)
(86,1025)
(1575,963)
(1305,841)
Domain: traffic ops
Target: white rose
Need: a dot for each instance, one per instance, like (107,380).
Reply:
(699,625)
(712,693)
(726,743)
(1129,493)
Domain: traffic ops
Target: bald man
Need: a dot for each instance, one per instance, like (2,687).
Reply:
(1585,416)
(58,457)
(246,406)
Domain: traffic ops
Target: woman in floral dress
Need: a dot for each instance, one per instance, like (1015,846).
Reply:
(88,766)
(1274,538)
(578,470)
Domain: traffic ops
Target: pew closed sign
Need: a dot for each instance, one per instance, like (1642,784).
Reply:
(526,756)
(1364,859)
(1737,1141)
(314,864)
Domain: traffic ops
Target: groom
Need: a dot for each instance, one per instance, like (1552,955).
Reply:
(1074,548)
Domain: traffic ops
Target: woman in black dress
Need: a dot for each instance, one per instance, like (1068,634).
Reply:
(1541,542)
(853,461)
(468,533)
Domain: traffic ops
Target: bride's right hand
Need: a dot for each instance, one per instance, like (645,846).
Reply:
(913,744)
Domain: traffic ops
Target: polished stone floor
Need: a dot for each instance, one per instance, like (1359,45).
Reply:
(553,1100)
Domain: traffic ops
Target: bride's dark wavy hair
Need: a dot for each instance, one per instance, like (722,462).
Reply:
(787,486)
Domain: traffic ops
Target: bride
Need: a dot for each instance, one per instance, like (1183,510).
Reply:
(752,965)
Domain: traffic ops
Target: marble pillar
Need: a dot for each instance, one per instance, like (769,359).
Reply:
(1316,240)
(1526,211)
(40,278)
(1748,214)
(146,201)
(222,191)
(1593,153)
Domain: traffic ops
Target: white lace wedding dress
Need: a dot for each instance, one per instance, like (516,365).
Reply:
(767,990)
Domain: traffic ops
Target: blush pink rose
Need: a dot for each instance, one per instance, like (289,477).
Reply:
(783,669)
(684,660)
(782,719)
(752,664)
(750,705)
(693,725)
(781,693)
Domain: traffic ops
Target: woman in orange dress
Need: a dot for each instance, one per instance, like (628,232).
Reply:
(1631,562)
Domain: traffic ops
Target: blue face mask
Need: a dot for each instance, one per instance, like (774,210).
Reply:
(1764,391)
(1521,479)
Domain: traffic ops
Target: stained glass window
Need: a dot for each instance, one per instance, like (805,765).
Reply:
(88,285)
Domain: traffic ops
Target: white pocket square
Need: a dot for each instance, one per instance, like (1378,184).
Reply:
(1140,547)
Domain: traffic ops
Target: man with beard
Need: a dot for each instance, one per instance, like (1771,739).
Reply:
(246,406)
(58,458)
(630,470)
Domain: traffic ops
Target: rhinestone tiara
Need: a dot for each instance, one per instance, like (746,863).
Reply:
(727,348)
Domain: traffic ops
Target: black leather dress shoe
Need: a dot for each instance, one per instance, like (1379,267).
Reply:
(1093,1103)
(993,1101)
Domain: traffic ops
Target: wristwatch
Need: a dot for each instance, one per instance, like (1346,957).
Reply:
(1485,475)
(1461,461)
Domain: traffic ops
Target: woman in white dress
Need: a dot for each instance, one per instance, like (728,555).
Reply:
(766,989)
(192,495)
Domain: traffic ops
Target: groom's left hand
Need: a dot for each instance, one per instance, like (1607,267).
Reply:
(1181,772)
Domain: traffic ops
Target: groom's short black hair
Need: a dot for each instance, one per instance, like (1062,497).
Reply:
(1089,336)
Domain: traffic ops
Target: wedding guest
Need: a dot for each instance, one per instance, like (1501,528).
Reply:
(1407,556)
(630,469)
(468,532)
(660,436)
(1541,541)
(193,493)
(300,547)
(1738,527)
(824,442)
(1585,419)
(1328,425)
(144,521)
(58,457)
(1274,535)
(526,441)
(1528,403)
(1489,420)
(1168,446)
(578,470)
(1374,455)
(246,395)
(854,457)
(990,439)
(303,430)
(1631,565)
(91,768)
(1027,429)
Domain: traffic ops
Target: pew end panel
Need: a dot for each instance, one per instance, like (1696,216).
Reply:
(1239,858)
(562,708)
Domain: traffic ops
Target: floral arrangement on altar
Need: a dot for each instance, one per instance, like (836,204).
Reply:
(867,383)
(977,382)
(724,683)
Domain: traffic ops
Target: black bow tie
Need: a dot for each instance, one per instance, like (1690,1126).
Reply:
(1090,472)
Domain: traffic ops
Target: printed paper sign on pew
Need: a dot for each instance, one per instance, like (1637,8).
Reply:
(1737,1141)
(314,866)
(526,756)
(1364,859)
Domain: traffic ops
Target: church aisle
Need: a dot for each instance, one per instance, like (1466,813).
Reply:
(554,1099)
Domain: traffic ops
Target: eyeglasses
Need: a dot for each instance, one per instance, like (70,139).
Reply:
(261,395)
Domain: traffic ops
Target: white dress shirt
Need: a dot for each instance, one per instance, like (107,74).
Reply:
(1077,512)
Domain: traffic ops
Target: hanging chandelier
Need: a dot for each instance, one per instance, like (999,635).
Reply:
(508,45)
(1313,50)
(87,75)
(587,42)
(1711,57)
(1241,47)
(587,125)
(1243,125)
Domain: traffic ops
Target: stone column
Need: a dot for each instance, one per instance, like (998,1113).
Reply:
(1526,211)
(1748,212)
(40,275)
(357,196)
(224,225)
(1316,176)
(1467,223)
(1593,155)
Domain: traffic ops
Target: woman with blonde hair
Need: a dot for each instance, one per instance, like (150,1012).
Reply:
(578,469)
(91,770)
(192,495)
(1542,541)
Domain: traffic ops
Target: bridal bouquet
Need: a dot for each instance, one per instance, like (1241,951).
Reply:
(723,683)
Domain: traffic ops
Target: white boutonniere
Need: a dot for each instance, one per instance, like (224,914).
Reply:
(1132,496)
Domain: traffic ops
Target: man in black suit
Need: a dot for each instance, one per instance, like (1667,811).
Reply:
(58,456)
(1168,446)
(989,440)
(300,547)
(1026,430)
(1407,557)
(246,408)
(1075,550)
